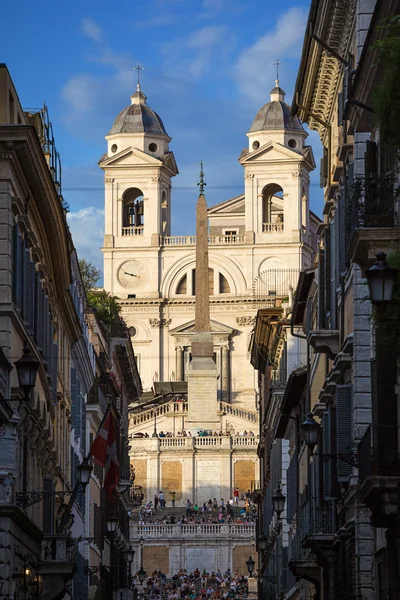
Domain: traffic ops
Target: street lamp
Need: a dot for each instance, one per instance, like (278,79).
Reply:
(149,585)
(129,554)
(111,524)
(27,367)
(381,279)
(141,574)
(250,565)
(84,472)
(278,501)
(310,429)
(262,543)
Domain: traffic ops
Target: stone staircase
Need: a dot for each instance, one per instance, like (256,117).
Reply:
(178,512)
(181,408)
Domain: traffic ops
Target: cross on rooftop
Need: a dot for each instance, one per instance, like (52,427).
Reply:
(138,69)
(277,63)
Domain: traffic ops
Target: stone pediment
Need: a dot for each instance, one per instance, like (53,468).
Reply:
(131,157)
(233,205)
(270,152)
(187,329)
(170,162)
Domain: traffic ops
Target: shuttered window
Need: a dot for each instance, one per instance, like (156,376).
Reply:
(48,505)
(333,273)
(344,429)
(293,487)
(54,371)
(340,108)
(331,488)
(18,268)
(342,231)
(384,405)
(327,256)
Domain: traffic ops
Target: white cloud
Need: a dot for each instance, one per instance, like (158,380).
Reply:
(255,72)
(192,55)
(91,30)
(87,228)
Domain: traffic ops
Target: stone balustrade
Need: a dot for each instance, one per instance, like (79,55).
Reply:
(181,408)
(223,530)
(190,240)
(270,227)
(132,230)
(224,442)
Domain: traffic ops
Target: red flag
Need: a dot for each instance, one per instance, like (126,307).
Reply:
(105,453)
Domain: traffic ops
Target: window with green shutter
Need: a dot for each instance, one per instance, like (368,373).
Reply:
(344,429)
(48,505)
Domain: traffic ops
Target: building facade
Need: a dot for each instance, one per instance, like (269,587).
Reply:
(53,536)
(339,413)
(258,242)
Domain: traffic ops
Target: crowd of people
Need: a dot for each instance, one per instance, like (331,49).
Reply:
(212,511)
(196,585)
(201,433)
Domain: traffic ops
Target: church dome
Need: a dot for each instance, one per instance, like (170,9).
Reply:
(138,118)
(275,114)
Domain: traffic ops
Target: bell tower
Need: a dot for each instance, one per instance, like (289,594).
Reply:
(138,167)
(277,164)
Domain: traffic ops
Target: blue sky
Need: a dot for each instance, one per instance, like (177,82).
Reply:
(208,69)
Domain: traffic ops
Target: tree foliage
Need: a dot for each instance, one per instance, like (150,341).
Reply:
(90,275)
(387,94)
(105,305)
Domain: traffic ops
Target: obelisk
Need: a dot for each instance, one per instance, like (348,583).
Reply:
(202,373)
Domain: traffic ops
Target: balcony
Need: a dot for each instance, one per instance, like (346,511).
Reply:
(194,530)
(132,231)
(372,219)
(278,379)
(271,227)
(324,341)
(318,525)
(190,240)
(379,472)
(57,564)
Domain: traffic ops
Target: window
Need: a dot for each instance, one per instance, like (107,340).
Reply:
(224,287)
(230,232)
(114,148)
(292,143)
(153,147)
(182,286)
(256,145)
(132,332)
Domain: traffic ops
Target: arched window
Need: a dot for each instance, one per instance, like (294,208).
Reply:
(182,286)
(164,212)
(304,209)
(133,215)
(210,282)
(224,287)
(272,207)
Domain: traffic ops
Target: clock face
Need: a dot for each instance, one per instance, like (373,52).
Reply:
(132,274)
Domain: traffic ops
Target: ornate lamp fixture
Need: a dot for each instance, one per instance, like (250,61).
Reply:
(311,429)
(381,279)
(250,565)
(278,501)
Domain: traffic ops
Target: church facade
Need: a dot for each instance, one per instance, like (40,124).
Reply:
(258,242)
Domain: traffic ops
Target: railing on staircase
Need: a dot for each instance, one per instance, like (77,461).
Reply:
(181,408)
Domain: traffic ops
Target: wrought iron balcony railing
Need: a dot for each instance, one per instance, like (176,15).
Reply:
(278,378)
(371,202)
(379,452)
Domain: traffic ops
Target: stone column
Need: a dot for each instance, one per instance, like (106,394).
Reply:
(225,373)
(179,363)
